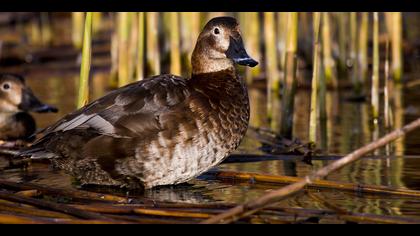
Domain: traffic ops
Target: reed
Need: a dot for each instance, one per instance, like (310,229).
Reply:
(140,47)
(315,80)
(97,22)
(375,73)
(133,46)
(191,22)
(363,41)
(386,87)
(329,63)
(77,29)
(282,34)
(268,199)
(251,30)
(114,58)
(152,34)
(289,83)
(353,53)
(342,42)
(123,29)
(175,44)
(46,29)
(324,184)
(272,73)
(397,59)
(83,95)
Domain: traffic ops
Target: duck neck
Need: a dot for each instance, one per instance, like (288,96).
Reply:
(212,66)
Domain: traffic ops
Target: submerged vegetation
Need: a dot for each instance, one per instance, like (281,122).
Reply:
(329,57)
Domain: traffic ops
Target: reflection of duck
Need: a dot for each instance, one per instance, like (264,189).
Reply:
(16,100)
(162,130)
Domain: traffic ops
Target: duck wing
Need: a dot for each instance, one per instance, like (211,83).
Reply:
(128,112)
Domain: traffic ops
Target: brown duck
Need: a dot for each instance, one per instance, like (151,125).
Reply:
(16,100)
(162,130)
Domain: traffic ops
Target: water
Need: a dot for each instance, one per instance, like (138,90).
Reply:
(347,129)
(347,132)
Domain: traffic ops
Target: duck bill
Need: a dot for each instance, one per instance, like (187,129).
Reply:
(32,103)
(238,54)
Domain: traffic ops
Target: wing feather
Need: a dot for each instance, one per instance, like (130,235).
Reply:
(127,111)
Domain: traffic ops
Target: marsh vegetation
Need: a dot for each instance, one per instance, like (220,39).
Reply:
(328,83)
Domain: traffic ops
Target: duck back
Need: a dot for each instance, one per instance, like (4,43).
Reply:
(159,131)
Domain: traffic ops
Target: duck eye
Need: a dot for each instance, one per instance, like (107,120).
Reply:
(216,31)
(6,86)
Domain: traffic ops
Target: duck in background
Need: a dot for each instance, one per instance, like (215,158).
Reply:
(16,100)
(162,130)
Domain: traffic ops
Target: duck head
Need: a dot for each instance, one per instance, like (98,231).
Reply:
(219,46)
(16,96)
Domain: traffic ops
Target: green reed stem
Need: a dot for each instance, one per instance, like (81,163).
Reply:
(375,75)
(132,45)
(397,59)
(272,72)
(77,29)
(153,55)
(315,79)
(386,87)
(353,52)
(327,51)
(97,22)
(282,24)
(123,27)
(289,85)
(83,96)
(140,47)
(342,42)
(363,47)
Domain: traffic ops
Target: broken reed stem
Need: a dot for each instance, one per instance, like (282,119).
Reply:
(282,193)
(52,206)
(83,95)
(175,44)
(140,47)
(375,75)
(15,219)
(78,194)
(31,211)
(315,80)
(327,184)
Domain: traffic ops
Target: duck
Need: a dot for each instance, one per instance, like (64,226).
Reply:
(16,101)
(163,130)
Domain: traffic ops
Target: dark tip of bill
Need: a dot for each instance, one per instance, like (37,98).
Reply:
(246,62)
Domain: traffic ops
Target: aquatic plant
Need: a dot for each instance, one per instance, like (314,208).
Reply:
(83,95)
